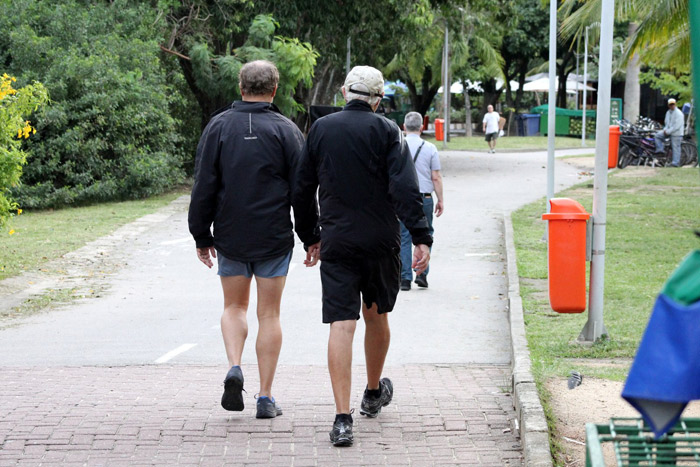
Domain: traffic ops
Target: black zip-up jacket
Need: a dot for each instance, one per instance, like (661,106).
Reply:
(363,169)
(246,160)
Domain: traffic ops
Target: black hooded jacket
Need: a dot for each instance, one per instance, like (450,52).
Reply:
(362,167)
(246,160)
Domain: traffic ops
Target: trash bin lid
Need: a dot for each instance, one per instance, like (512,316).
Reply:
(565,208)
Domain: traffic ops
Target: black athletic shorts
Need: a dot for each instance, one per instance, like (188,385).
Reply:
(377,279)
(490,136)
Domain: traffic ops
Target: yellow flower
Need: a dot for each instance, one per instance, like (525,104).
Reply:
(19,133)
(19,212)
(12,232)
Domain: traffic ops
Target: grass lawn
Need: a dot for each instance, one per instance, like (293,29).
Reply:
(651,216)
(511,143)
(41,236)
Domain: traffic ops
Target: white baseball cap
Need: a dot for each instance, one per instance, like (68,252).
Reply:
(365,80)
(671,101)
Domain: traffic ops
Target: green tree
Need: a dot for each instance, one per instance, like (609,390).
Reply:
(418,62)
(210,45)
(108,133)
(15,106)
(658,36)
(525,44)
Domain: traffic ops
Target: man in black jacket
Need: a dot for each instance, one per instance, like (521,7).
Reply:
(246,159)
(362,168)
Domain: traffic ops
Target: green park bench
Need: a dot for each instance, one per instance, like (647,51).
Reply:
(635,445)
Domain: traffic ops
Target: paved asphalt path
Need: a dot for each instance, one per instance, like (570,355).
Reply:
(164,300)
(156,331)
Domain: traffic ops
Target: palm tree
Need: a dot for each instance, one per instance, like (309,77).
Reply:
(659,34)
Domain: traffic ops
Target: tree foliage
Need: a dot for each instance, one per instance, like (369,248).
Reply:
(15,106)
(108,133)
(662,37)
(211,45)
(472,35)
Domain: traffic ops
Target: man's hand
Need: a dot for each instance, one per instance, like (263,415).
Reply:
(204,255)
(313,254)
(439,208)
(421,258)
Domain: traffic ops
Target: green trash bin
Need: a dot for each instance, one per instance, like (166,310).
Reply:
(568,122)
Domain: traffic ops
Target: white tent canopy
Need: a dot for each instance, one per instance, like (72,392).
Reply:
(542,85)
(457,87)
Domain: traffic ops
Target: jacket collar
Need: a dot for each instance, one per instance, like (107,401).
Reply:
(357,104)
(243,106)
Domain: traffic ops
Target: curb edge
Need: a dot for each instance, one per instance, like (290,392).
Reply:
(528,407)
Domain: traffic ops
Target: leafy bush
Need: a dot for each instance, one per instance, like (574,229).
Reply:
(15,105)
(108,133)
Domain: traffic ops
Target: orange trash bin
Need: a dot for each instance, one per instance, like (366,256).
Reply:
(439,129)
(613,146)
(567,255)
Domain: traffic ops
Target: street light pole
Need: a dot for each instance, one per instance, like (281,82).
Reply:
(551,115)
(594,328)
(445,88)
(585,86)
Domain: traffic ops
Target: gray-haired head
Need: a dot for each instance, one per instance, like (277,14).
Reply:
(413,122)
(258,78)
(364,83)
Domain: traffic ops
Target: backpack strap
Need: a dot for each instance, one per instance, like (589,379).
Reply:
(418,152)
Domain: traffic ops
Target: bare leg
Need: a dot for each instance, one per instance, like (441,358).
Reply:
(340,362)
(377,338)
(234,325)
(269,340)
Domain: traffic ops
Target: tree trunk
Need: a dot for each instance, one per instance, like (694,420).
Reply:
(632,89)
(563,73)
(467,109)
(421,102)
(522,74)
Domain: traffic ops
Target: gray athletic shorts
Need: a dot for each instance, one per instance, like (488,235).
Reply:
(274,267)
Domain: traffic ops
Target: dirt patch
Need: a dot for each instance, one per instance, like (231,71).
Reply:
(595,400)
(586,164)
(637,172)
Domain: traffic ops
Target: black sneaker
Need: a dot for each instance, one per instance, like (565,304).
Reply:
(405,284)
(341,434)
(422,280)
(371,406)
(233,390)
(268,408)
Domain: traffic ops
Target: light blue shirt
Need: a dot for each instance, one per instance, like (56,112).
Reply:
(428,160)
(673,123)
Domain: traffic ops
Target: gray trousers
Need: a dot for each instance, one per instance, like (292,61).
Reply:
(675,146)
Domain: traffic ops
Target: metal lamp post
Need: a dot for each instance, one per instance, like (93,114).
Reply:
(585,83)
(594,328)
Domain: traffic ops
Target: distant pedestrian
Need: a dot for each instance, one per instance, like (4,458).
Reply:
(427,163)
(673,128)
(245,162)
(361,165)
(491,128)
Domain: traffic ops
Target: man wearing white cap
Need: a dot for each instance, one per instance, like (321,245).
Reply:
(362,167)
(673,127)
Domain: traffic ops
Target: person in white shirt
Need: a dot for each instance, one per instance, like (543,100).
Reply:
(491,128)
(673,127)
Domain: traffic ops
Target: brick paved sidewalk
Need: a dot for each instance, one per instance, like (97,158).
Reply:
(162,415)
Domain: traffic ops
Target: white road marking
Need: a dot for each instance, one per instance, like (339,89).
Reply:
(175,242)
(175,352)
